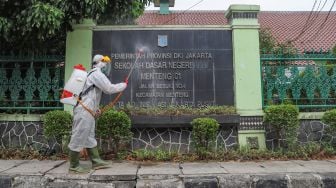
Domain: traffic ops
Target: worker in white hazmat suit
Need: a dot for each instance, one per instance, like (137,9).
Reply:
(83,130)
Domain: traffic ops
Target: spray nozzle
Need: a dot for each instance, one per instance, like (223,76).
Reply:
(126,80)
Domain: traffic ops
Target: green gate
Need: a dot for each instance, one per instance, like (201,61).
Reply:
(306,79)
(30,84)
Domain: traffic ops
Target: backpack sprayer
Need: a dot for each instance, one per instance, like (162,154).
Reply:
(74,85)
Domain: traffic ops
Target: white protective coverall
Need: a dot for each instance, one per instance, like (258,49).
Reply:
(83,129)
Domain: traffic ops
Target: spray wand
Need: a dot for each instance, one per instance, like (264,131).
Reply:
(111,104)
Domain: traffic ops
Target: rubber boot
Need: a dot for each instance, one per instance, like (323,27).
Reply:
(74,163)
(97,162)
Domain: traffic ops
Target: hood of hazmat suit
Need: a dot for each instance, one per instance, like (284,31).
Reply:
(83,130)
(102,62)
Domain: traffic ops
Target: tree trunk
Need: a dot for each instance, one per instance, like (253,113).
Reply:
(279,138)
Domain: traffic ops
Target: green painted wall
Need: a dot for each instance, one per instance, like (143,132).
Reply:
(78,49)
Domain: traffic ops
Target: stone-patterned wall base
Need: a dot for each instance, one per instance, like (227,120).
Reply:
(309,131)
(26,135)
(179,139)
(30,135)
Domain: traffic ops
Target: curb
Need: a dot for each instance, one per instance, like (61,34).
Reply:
(312,180)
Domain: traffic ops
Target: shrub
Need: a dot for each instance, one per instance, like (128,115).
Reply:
(115,127)
(329,118)
(204,134)
(284,119)
(58,124)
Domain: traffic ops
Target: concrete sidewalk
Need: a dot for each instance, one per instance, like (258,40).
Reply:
(267,174)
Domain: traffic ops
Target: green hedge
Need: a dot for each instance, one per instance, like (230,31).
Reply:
(329,118)
(204,134)
(57,123)
(284,119)
(114,126)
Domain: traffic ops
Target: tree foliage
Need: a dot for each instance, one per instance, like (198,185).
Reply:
(334,50)
(42,24)
(266,40)
(268,43)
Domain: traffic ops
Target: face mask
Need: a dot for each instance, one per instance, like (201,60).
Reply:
(106,69)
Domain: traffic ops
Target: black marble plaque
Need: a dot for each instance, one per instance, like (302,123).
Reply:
(170,67)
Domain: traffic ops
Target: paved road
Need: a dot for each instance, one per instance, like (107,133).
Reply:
(35,174)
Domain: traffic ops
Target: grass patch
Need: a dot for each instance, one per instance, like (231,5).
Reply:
(28,154)
(312,151)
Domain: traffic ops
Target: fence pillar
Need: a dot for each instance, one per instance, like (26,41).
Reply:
(246,58)
(246,62)
(78,49)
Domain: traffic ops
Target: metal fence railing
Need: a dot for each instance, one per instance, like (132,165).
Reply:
(307,80)
(30,84)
